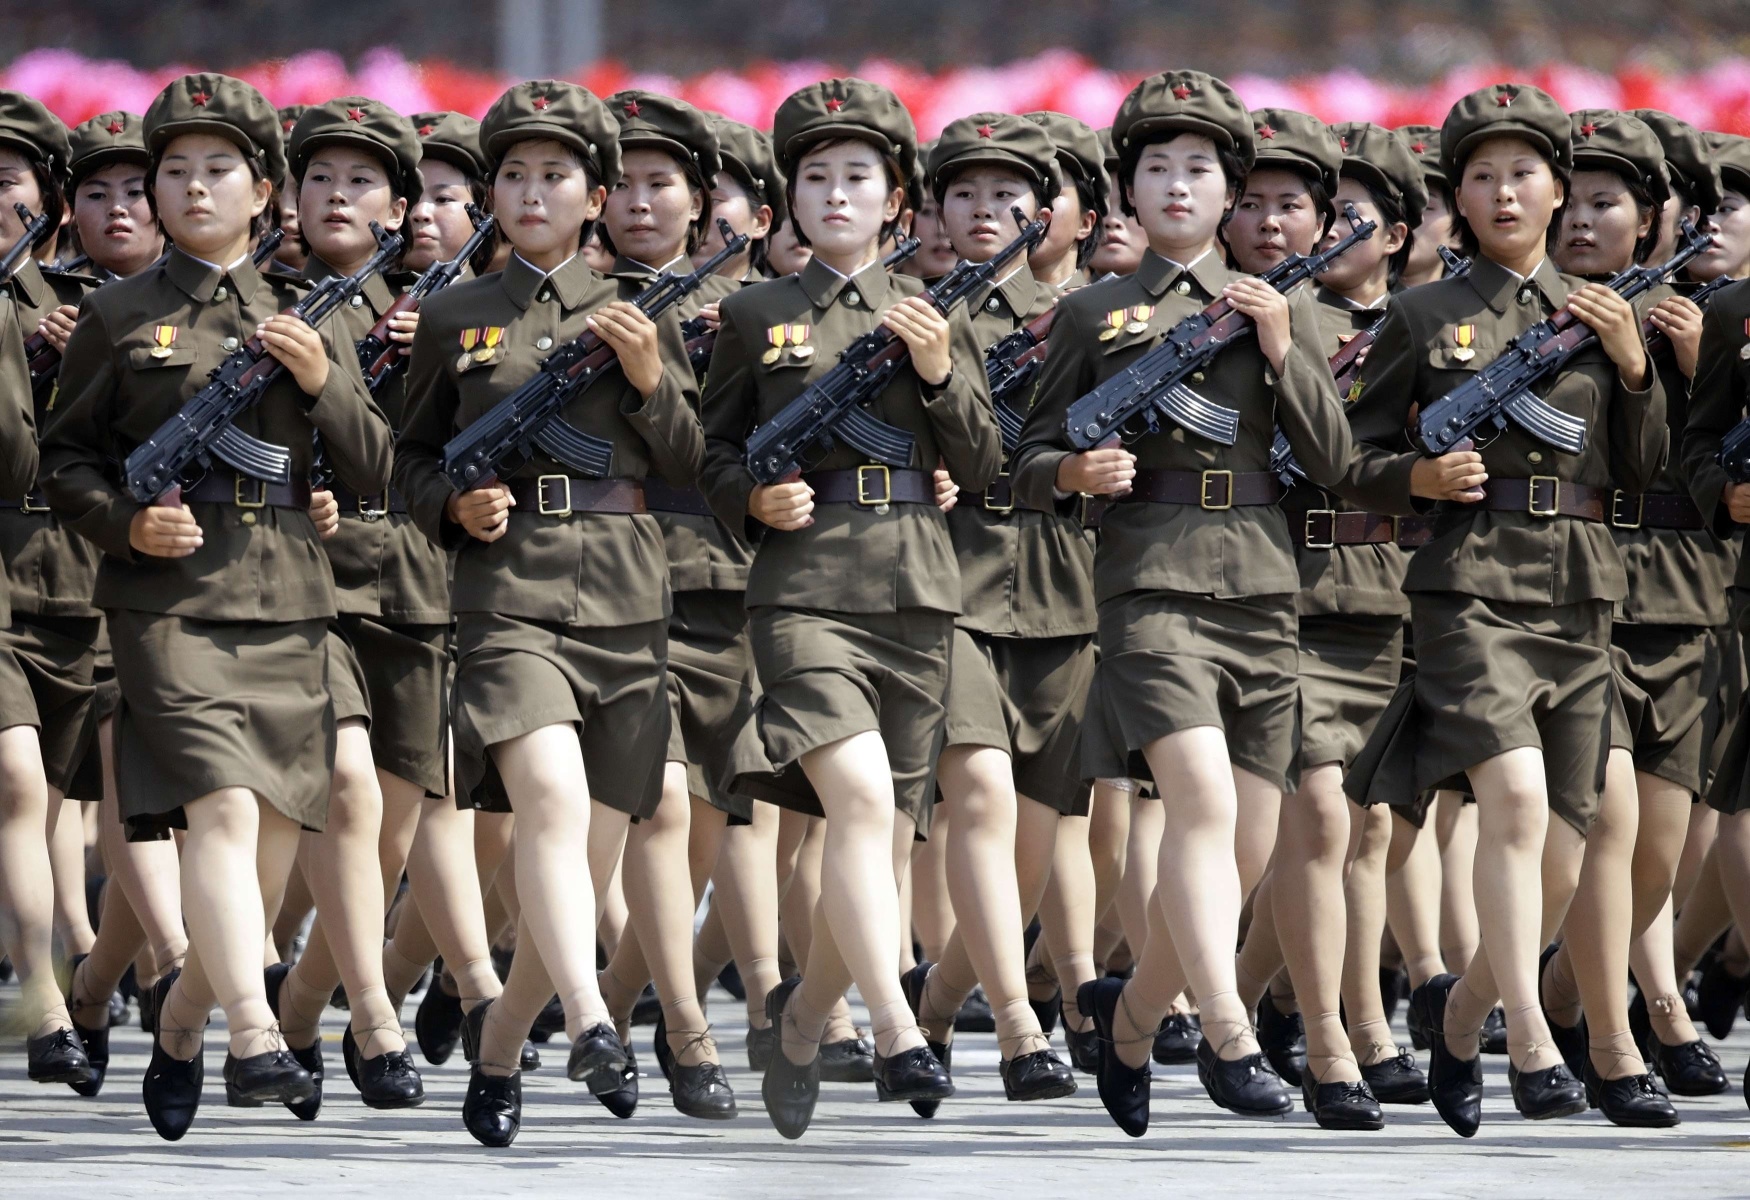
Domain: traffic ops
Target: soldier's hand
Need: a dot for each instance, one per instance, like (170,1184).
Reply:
(299,348)
(1679,318)
(1268,309)
(402,327)
(1107,471)
(1456,475)
(1619,331)
(925,333)
(325,513)
(784,506)
(633,337)
(947,491)
(1737,498)
(57,327)
(483,512)
(712,315)
(165,532)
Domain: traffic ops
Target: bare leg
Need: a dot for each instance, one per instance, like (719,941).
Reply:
(932,910)
(1370,832)
(447,905)
(26,879)
(746,896)
(1455,825)
(67,862)
(1412,899)
(1066,916)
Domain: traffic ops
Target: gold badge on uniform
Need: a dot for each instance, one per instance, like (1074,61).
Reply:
(1139,316)
(165,336)
(795,337)
(1464,335)
(1114,325)
(479,345)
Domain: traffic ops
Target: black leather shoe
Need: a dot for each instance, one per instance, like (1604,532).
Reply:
(1046,1011)
(1397,1080)
(761,1045)
(149,1001)
(1177,1039)
(273,1076)
(1719,997)
(1454,1084)
(729,979)
(912,984)
(389,1080)
(849,1061)
(1691,1069)
(598,1059)
(790,1091)
(1413,1024)
(1083,1044)
(647,1007)
(172,1091)
(916,1076)
(664,1056)
(493,1108)
(437,1025)
(473,1022)
(1247,1087)
(702,1092)
(622,1100)
(1547,1094)
(95,1042)
(1341,1105)
(310,1058)
(1123,1088)
(1493,1038)
(5,969)
(1570,1040)
(975,1015)
(1040,1075)
(530,1058)
(57,1058)
(549,1022)
(1282,1038)
(1634,1101)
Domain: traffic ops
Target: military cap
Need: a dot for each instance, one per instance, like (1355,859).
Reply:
(363,123)
(224,107)
(917,185)
(747,155)
(1688,159)
(564,112)
(1183,102)
(839,108)
(453,138)
(1505,110)
(1732,155)
(27,125)
(1080,153)
(1109,153)
(1383,161)
(658,122)
(289,114)
(1002,139)
(1296,142)
(107,138)
(1607,140)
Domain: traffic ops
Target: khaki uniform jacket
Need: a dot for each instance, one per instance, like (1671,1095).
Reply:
(592,569)
(1717,401)
(1238,552)
(18,450)
(255,564)
(1024,573)
(1507,556)
(50,570)
(852,559)
(383,567)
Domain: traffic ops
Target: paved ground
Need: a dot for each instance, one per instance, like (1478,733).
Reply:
(54,1144)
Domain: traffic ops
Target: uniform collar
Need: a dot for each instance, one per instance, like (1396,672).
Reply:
(1499,288)
(1157,273)
(377,292)
(1325,295)
(631,268)
(521,280)
(1018,292)
(198,279)
(823,285)
(28,283)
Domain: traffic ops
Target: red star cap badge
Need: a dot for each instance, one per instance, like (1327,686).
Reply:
(288,124)
(199,99)
(1503,99)
(985,131)
(1344,142)
(355,114)
(115,127)
(542,102)
(631,108)
(427,130)
(834,104)
(1419,147)
(1588,129)
(1181,92)
(1265,132)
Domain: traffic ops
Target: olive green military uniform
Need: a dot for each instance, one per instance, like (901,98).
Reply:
(220,655)
(1511,609)
(1196,601)
(564,619)
(852,617)
(48,657)
(18,449)
(390,640)
(1023,655)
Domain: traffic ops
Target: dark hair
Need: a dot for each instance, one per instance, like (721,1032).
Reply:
(1467,238)
(1087,247)
(397,191)
(1232,169)
(756,247)
(1391,212)
(896,181)
(696,183)
(264,222)
(1043,194)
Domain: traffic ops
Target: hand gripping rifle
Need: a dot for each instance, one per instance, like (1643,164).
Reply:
(528,419)
(831,408)
(380,358)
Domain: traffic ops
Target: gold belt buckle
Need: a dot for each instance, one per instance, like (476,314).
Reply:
(880,502)
(29,503)
(1329,540)
(1555,496)
(260,500)
(371,512)
(541,495)
(1616,501)
(1203,499)
(1002,481)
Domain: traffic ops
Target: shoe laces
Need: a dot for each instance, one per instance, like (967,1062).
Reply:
(700,1039)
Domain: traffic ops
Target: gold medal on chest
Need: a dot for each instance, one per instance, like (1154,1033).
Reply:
(165,336)
(1464,335)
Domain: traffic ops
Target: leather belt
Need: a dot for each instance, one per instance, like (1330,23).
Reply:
(34,502)
(228,487)
(1324,528)
(561,496)
(664,497)
(369,508)
(1212,491)
(1546,496)
(1665,510)
(999,497)
(873,487)
(1415,531)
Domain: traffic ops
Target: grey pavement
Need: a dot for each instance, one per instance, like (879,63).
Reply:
(54,1144)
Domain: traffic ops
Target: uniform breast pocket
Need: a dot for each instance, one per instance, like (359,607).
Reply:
(175,359)
(1461,349)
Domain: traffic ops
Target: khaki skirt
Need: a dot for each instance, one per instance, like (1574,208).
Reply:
(1665,677)
(711,691)
(397,678)
(47,681)
(1026,697)
(828,675)
(215,704)
(514,676)
(1171,661)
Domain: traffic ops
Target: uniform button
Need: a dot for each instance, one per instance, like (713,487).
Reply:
(992,305)
(1183,287)
(1525,295)
(249,518)
(219,293)
(853,298)
(546,295)
(1197,377)
(543,342)
(229,345)
(357,301)
(1535,457)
